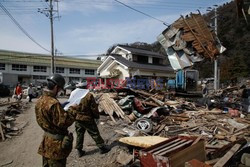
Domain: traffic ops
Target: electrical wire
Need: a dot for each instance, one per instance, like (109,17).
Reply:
(142,13)
(21,28)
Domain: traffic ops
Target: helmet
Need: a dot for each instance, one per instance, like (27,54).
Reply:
(58,80)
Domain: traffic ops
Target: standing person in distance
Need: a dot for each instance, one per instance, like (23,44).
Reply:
(19,91)
(30,92)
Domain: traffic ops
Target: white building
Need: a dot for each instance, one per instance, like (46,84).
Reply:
(126,61)
(35,68)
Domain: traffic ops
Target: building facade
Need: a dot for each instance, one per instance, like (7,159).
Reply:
(36,68)
(126,62)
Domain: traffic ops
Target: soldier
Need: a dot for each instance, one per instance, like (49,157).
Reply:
(54,120)
(86,121)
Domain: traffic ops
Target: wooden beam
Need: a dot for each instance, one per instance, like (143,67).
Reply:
(164,145)
(227,156)
(171,146)
(197,140)
(1,131)
(175,148)
(196,37)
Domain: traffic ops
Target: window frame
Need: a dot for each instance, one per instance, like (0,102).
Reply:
(58,70)
(39,77)
(19,67)
(89,72)
(75,71)
(2,66)
(40,69)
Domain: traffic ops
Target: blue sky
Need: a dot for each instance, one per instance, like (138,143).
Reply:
(90,27)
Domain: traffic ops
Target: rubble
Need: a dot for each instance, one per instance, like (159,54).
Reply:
(8,112)
(220,125)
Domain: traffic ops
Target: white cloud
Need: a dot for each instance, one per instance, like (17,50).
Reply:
(19,43)
(96,39)
(92,6)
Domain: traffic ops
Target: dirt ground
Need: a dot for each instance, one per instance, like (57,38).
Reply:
(21,150)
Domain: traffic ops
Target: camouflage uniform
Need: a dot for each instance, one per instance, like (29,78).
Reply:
(54,120)
(85,121)
(53,163)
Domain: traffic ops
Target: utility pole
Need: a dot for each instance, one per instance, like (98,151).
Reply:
(52,36)
(49,12)
(216,82)
(215,60)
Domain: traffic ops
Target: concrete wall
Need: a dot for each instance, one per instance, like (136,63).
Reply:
(125,72)
(10,79)
(106,70)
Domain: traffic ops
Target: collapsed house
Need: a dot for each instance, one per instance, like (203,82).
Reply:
(189,40)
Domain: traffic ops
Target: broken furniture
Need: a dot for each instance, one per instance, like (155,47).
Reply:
(173,152)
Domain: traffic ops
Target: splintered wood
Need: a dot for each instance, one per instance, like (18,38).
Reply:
(197,32)
(110,107)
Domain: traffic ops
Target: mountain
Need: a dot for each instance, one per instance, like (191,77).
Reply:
(234,34)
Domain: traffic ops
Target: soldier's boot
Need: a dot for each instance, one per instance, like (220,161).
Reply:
(104,149)
(80,153)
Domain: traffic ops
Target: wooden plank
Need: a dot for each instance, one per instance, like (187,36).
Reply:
(212,162)
(227,156)
(195,151)
(177,147)
(150,103)
(201,44)
(197,140)
(214,146)
(157,101)
(191,127)
(171,146)
(9,103)
(164,145)
(1,131)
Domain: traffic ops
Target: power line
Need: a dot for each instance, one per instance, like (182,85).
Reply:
(145,5)
(21,28)
(142,13)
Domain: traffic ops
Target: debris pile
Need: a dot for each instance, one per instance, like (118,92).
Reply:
(8,113)
(218,119)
